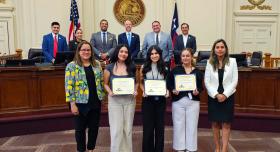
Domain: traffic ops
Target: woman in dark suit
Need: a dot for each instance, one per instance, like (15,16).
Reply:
(185,104)
(153,107)
(84,92)
(221,77)
(78,38)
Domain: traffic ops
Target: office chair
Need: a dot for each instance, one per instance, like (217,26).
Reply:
(140,59)
(256,59)
(36,54)
(202,58)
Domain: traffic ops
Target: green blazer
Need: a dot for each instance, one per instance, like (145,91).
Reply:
(76,87)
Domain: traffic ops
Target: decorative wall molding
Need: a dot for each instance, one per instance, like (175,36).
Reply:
(256,13)
(3,1)
(7,19)
(208,20)
(256,4)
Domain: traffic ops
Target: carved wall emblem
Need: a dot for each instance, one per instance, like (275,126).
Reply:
(133,10)
(256,4)
(3,1)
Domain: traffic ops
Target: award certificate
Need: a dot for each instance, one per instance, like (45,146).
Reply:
(155,87)
(186,82)
(123,86)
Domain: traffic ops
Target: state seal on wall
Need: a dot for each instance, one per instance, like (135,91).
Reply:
(2,1)
(133,10)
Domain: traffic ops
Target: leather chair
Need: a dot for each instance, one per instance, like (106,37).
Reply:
(36,55)
(139,58)
(256,59)
(202,58)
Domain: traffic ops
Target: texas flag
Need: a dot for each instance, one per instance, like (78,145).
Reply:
(173,33)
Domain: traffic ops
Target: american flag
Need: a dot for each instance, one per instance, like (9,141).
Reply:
(173,33)
(74,20)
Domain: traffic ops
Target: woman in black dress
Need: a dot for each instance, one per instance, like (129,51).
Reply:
(78,38)
(221,77)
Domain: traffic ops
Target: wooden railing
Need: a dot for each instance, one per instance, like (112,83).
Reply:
(271,62)
(16,56)
(268,61)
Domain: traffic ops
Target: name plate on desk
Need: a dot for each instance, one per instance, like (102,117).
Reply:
(155,87)
(186,82)
(123,86)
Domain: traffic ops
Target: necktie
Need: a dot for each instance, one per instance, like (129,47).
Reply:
(157,41)
(129,38)
(104,40)
(55,46)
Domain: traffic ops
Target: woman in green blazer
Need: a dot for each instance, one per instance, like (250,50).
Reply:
(84,91)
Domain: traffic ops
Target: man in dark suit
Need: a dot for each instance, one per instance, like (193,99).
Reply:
(185,40)
(132,40)
(103,42)
(53,43)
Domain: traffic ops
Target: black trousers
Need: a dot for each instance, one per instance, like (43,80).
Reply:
(82,121)
(153,112)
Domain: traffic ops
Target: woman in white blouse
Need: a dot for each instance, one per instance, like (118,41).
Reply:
(221,77)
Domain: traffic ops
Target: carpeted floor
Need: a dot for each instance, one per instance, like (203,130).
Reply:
(63,141)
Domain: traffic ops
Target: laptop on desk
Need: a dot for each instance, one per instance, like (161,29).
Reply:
(63,58)
(23,62)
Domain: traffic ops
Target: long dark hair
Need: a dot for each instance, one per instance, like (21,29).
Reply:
(213,57)
(115,58)
(77,59)
(148,63)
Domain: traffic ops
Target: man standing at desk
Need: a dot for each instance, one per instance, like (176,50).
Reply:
(53,43)
(103,42)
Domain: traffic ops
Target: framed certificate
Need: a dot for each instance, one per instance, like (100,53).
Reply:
(123,86)
(155,87)
(185,82)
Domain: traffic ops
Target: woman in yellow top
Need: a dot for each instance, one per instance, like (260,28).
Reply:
(84,91)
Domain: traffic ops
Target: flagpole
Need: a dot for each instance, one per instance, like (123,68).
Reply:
(173,33)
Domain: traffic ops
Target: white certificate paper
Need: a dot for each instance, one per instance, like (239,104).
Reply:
(123,86)
(185,82)
(155,87)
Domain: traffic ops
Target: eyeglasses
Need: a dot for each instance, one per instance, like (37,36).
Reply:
(85,50)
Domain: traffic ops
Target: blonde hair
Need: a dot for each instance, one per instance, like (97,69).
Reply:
(190,51)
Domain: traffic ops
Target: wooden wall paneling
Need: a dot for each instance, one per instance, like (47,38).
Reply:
(139,91)
(241,91)
(35,96)
(261,92)
(28,91)
(277,93)
(15,91)
(52,89)
(204,99)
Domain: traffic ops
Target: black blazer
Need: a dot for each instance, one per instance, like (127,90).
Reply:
(73,44)
(134,44)
(179,46)
(171,83)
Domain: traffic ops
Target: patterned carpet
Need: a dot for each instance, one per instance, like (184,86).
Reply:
(63,141)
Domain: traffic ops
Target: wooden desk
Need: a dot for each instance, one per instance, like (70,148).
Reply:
(40,90)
